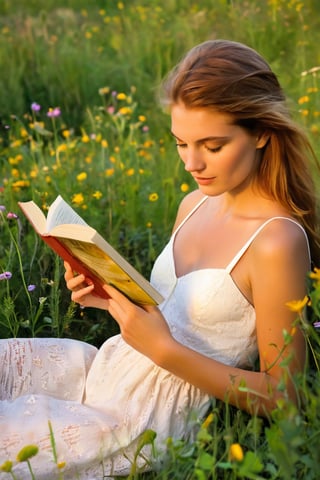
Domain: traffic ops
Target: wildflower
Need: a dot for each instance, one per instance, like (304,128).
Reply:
(66,133)
(27,452)
(31,288)
(125,110)
(97,194)
(35,107)
(130,172)
(236,452)
(298,305)
(78,198)
(54,112)
(121,96)
(104,90)
(61,465)
(120,5)
(85,138)
(153,197)
(208,420)
(184,187)
(111,109)
(109,172)
(2,208)
(315,275)
(303,99)
(6,466)
(104,143)
(316,324)
(149,224)
(5,276)
(11,215)
(81,176)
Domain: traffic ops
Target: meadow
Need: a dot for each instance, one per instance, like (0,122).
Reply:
(79,116)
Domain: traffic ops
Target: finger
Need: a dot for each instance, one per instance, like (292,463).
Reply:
(79,296)
(76,282)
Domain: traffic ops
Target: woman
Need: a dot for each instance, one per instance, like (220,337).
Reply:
(241,249)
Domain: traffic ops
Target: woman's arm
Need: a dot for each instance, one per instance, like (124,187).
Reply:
(277,267)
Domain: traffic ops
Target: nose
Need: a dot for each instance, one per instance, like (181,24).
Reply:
(193,160)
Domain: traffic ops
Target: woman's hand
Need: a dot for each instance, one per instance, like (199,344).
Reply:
(142,327)
(82,289)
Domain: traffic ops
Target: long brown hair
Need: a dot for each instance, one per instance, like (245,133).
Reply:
(233,78)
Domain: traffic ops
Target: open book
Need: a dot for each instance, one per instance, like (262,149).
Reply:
(88,252)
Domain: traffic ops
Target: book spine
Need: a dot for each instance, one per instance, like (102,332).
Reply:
(75,264)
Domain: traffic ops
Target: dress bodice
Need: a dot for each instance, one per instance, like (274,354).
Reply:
(205,309)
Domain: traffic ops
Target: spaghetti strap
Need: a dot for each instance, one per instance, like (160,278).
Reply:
(189,215)
(237,257)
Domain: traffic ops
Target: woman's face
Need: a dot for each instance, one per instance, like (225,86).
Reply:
(220,156)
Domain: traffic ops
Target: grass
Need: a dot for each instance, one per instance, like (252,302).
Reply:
(105,147)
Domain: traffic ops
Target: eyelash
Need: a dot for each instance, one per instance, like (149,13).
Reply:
(212,150)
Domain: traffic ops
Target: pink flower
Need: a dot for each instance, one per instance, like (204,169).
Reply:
(5,276)
(54,112)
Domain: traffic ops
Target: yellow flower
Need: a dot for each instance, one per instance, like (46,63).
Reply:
(66,133)
(88,159)
(97,194)
(315,275)
(142,118)
(208,420)
(109,172)
(16,143)
(298,305)
(130,172)
(236,452)
(125,110)
(23,132)
(148,224)
(303,99)
(62,147)
(27,452)
(104,90)
(6,466)
(120,5)
(85,138)
(104,143)
(78,198)
(121,96)
(153,197)
(81,176)
(184,187)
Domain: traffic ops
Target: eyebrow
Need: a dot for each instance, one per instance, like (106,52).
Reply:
(205,139)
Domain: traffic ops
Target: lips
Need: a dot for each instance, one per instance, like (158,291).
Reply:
(204,180)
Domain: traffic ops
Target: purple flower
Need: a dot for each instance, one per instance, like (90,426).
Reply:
(316,324)
(53,112)
(12,215)
(2,208)
(31,288)
(35,107)
(5,276)
(145,128)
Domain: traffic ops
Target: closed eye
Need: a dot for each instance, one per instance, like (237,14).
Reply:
(214,150)
(181,145)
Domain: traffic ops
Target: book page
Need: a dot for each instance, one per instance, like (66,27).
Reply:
(61,213)
(107,270)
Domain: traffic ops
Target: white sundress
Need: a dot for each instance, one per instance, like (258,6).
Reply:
(100,401)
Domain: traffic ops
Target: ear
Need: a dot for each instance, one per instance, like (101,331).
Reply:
(262,139)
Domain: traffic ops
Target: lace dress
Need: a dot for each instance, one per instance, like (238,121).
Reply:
(100,401)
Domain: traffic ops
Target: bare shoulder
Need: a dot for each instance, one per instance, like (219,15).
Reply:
(281,234)
(187,204)
(281,242)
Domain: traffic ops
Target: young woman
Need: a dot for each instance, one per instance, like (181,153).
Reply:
(241,249)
